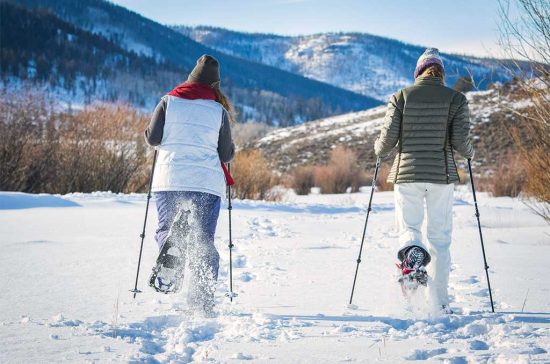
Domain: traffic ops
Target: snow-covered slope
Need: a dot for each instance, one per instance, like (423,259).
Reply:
(261,92)
(493,113)
(69,261)
(311,143)
(367,64)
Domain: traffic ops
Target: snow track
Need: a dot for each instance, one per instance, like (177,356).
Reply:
(68,265)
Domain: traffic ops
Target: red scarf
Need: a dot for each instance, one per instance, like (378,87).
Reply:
(194,91)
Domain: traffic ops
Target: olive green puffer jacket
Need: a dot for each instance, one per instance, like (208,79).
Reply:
(427,121)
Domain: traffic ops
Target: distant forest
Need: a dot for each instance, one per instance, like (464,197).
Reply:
(40,48)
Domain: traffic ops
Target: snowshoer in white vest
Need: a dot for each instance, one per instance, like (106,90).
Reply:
(190,128)
(427,122)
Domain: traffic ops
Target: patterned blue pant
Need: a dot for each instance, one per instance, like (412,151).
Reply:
(201,252)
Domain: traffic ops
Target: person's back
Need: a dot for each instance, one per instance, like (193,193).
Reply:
(426,121)
(430,121)
(190,128)
(188,156)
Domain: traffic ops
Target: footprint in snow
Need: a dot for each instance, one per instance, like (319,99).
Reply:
(481,293)
(457,360)
(60,321)
(478,345)
(239,261)
(182,342)
(344,329)
(264,226)
(476,328)
(325,247)
(241,356)
(425,354)
(471,280)
(534,351)
(246,277)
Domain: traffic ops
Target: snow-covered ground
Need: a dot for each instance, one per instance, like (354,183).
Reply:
(69,261)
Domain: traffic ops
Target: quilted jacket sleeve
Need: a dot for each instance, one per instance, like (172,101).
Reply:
(389,136)
(460,129)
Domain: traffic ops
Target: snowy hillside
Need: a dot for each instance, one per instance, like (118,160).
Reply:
(159,59)
(310,143)
(492,113)
(69,261)
(367,64)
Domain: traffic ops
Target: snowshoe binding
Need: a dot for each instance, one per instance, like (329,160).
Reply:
(167,275)
(412,267)
(446,310)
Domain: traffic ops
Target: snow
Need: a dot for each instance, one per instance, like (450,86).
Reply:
(68,263)
(355,123)
(318,56)
(18,200)
(374,66)
(523,104)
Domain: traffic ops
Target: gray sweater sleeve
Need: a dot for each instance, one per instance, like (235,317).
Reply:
(389,136)
(155,129)
(226,147)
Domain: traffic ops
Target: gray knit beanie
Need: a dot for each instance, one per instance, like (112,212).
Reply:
(429,57)
(207,71)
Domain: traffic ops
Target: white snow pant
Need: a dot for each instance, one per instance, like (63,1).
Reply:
(409,214)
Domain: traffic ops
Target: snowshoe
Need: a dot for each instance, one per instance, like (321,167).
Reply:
(412,268)
(445,309)
(167,275)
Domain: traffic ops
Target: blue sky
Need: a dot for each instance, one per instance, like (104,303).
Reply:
(460,26)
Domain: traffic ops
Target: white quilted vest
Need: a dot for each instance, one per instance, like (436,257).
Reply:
(188,157)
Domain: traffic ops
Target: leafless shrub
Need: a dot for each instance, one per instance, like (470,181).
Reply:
(341,172)
(325,178)
(246,133)
(507,180)
(28,133)
(303,179)
(43,150)
(254,178)
(525,34)
(382,183)
(463,176)
(102,149)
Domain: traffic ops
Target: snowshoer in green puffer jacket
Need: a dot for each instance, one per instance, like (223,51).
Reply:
(427,122)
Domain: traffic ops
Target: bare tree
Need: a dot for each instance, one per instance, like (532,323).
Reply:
(525,36)
(43,149)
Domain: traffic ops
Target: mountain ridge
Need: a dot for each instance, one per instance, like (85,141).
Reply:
(310,143)
(261,92)
(74,60)
(330,32)
(380,65)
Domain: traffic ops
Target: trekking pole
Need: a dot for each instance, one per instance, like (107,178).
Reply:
(142,235)
(230,294)
(365,228)
(481,235)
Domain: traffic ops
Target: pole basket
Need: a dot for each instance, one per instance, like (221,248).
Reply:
(231,295)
